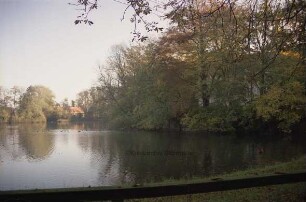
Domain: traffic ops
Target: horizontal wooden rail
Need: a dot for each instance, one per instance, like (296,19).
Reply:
(119,193)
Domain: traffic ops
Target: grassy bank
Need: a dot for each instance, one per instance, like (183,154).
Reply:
(287,192)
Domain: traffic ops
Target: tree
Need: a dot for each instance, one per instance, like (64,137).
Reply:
(4,102)
(72,103)
(213,69)
(5,97)
(37,104)
(283,104)
(16,94)
(9,103)
(84,100)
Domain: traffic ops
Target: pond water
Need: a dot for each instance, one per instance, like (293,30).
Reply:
(82,155)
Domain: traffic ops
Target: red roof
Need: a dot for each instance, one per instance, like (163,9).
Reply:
(76,110)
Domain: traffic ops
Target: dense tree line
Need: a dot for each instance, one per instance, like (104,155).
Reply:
(217,68)
(35,104)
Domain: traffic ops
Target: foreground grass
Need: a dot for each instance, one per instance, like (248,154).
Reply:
(287,192)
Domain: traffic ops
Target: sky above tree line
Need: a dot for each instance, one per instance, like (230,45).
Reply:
(40,45)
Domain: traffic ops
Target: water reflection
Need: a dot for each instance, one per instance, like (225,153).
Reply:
(74,155)
(33,142)
(91,126)
(139,157)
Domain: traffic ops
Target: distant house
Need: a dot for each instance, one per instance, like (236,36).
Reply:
(77,111)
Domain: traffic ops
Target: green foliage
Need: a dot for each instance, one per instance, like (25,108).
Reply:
(4,115)
(285,104)
(9,103)
(234,68)
(213,118)
(37,104)
(149,86)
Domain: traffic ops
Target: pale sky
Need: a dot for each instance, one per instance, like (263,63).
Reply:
(40,45)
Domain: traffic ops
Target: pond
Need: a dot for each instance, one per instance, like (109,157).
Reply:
(82,155)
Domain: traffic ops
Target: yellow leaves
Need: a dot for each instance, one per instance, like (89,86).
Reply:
(286,104)
(290,54)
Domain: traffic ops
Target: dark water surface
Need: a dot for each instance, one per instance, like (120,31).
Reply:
(81,155)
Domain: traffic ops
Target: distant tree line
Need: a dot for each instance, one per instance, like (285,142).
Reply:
(35,104)
(217,68)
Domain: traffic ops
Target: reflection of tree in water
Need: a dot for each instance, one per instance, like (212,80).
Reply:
(65,126)
(112,154)
(103,151)
(267,150)
(87,126)
(36,141)
(9,143)
(201,157)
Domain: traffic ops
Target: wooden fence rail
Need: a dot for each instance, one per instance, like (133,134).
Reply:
(119,194)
